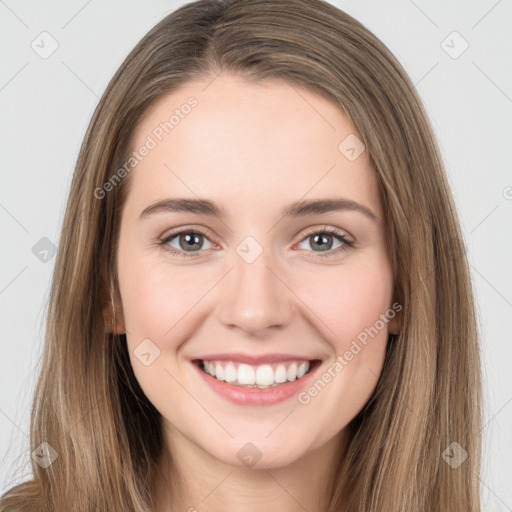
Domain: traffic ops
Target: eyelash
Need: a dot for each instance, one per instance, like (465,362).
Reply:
(163,241)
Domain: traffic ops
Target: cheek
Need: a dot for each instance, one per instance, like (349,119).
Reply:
(352,300)
(154,297)
(147,296)
(160,303)
(358,310)
(351,308)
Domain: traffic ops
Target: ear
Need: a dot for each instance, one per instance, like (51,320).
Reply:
(112,311)
(395,323)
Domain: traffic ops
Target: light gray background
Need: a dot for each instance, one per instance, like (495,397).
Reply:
(46,105)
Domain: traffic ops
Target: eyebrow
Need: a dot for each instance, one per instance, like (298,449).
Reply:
(300,208)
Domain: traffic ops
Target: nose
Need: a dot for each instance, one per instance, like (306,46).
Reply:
(254,297)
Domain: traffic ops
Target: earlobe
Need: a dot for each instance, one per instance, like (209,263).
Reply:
(112,313)
(394,325)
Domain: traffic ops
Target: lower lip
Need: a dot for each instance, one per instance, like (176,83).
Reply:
(254,396)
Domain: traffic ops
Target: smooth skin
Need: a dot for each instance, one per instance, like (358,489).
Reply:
(253,148)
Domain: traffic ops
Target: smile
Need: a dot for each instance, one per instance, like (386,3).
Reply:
(260,376)
(256,380)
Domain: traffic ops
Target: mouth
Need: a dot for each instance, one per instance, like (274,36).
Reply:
(259,376)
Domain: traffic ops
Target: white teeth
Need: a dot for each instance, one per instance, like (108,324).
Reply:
(291,373)
(219,371)
(230,373)
(280,375)
(301,370)
(263,376)
(246,374)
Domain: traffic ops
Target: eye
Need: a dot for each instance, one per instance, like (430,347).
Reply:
(185,241)
(190,242)
(322,239)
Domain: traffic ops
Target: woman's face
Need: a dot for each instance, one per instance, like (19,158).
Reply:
(252,290)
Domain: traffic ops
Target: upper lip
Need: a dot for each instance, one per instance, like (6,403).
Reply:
(253,359)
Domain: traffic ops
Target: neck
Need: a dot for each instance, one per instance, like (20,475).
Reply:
(193,481)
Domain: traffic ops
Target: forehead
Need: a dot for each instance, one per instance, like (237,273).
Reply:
(253,140)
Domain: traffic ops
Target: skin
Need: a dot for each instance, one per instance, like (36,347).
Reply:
(253,148)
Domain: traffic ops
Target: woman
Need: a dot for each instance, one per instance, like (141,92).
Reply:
(261,298)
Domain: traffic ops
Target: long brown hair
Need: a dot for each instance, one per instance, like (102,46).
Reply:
(88,405)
